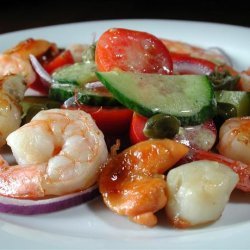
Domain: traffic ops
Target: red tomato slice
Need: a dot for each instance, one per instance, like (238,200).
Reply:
(65,58)
(111,120)
(133,51)
(136,128)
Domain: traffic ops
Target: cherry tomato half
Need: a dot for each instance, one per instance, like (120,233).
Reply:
(136,128)
(111,120)
(133,51)
(64,58)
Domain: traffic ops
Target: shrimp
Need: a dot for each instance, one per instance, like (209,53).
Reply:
(12,90)
(12,65)
(16,60)
(234,139)
(132,182)
(244,83)
(36,47)
(16,73)
(60,151)
(215,55)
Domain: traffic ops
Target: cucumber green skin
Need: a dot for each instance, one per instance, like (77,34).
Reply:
(206,112)
(240,99)
(62,92)
(76,74)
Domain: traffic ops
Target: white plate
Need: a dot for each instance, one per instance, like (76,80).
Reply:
(92,225)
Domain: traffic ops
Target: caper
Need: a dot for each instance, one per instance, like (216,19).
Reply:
(226,110)
(39,99)
(222,79)
(161,126)
(31,105)
(32,111)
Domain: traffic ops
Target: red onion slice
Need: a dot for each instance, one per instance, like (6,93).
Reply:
(44,76)
(201,137)
(31,207)
(192,68)
(222,53)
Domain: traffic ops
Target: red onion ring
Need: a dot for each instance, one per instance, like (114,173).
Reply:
(44,76)
(222,53)
(32,207)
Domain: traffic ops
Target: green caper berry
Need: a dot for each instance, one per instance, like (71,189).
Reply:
(33,110)
(161,126)
(223,80)
(31,105)
(226,110)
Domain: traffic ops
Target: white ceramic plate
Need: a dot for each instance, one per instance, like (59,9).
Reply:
(92,225)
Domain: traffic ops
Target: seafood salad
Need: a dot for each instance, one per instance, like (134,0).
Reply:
(151,123)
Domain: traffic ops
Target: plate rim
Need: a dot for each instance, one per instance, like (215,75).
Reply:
(128,20)
(135,20)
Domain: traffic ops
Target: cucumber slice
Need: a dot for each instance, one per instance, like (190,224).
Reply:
(240,99)
(97,96)
(77,74)
(190,98)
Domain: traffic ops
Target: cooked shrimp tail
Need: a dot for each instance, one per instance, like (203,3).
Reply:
(132,182)
(15,61)
(16,73)
(12,90)
(58,152)
(22,181)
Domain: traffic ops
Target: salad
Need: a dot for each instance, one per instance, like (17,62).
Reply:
(157,124)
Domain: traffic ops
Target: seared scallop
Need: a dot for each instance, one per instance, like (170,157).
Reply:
(198,192)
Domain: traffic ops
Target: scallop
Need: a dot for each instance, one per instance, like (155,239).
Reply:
(198,192)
